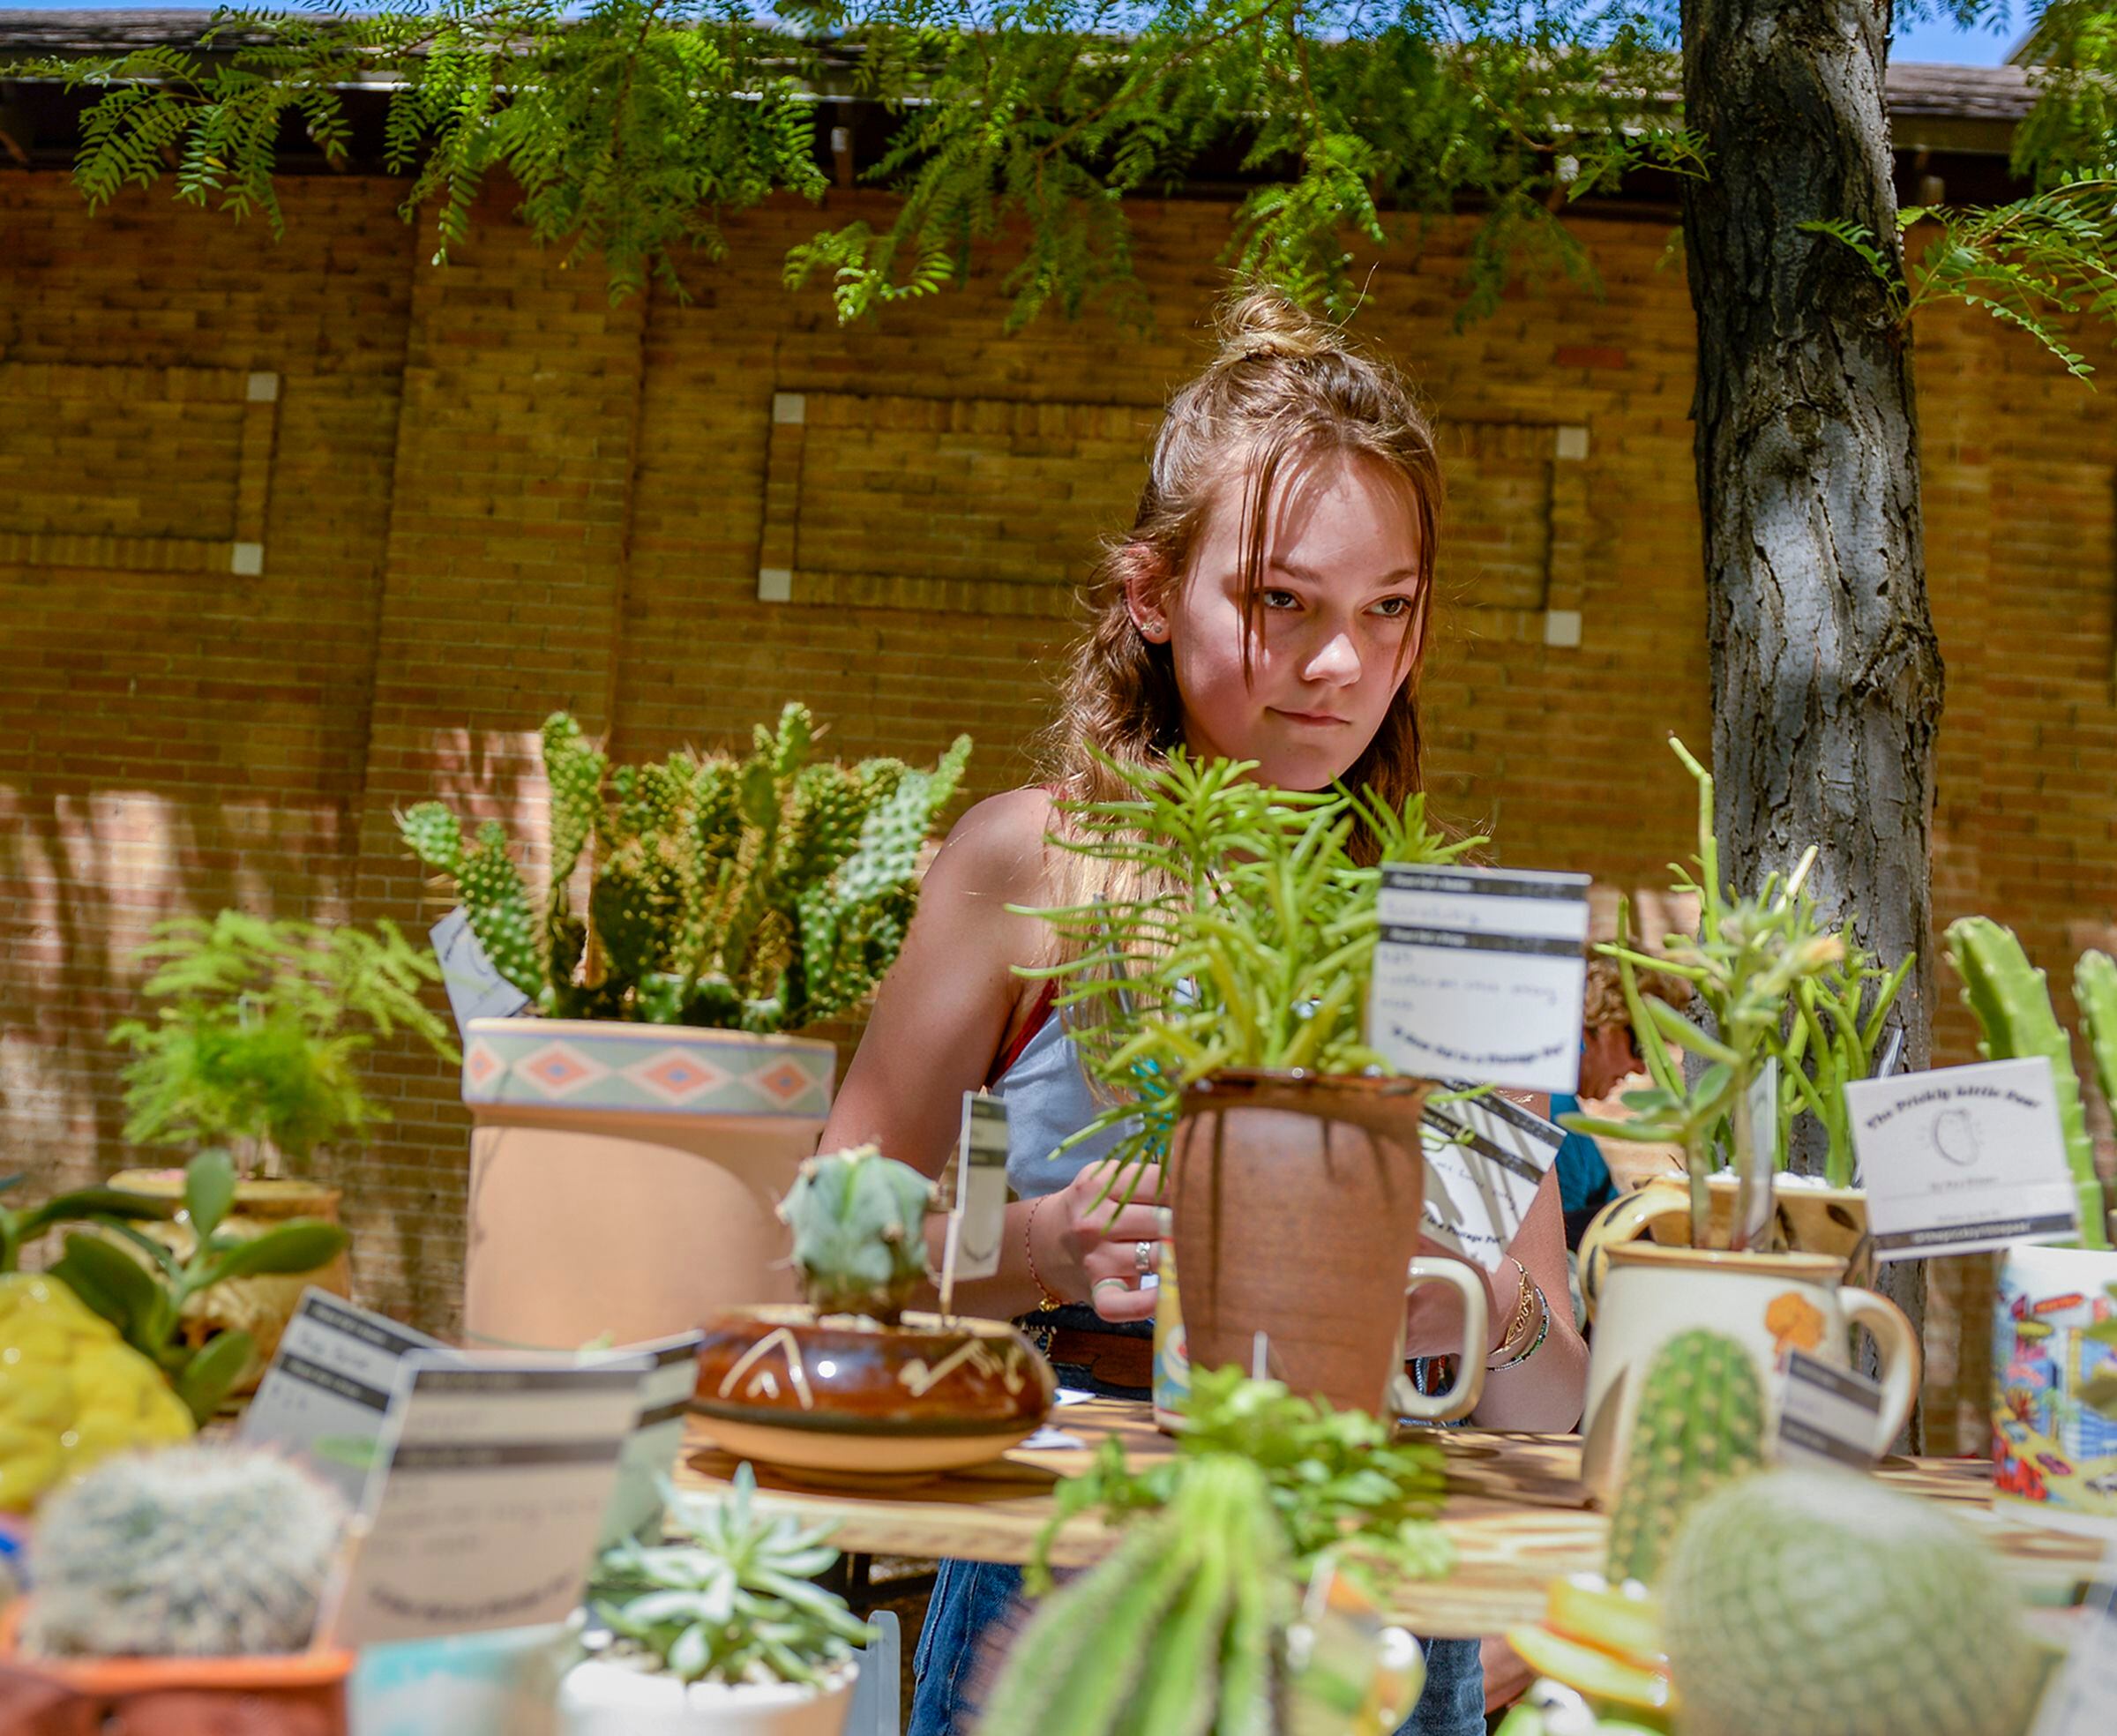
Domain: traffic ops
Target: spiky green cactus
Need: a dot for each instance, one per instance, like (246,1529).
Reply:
(858,1220)
(2095,992)
(2011,1000)
(189,1551)
(1700,1424)
(767,892)
(1822,1603)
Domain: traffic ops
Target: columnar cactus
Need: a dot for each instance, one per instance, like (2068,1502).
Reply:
(766,894)
(1822,1603)
(859,1222)
(189,1551)
(2095,992)
(1700,1424)
(2011,1001)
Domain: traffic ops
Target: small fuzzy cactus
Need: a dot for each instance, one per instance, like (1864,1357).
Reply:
(2011,1001)
(1823,1604)
(1700,1424)
(764,893)
(190,1551)
(858,1220)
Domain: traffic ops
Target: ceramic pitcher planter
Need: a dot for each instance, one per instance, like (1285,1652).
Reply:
(623,1176)
(2054,1377)
(1767,1303)
(1297,1208)
(1810,1219)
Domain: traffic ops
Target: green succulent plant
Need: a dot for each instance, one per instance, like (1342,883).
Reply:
(734,1601)
(762,893)
(20,1225)
(145,1301)
(858,1220)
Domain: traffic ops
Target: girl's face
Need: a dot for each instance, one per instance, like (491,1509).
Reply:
(1340,582)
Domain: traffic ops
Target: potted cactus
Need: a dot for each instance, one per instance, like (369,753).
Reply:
(723,1631)
(850,1386)
(634,1133)
(177,1594)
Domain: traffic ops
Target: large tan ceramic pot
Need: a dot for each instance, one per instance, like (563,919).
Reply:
(260,1305)
(1296,1207)
(625,1179)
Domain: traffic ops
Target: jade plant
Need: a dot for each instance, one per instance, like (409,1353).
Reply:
(858,1220)
(256,1043)
(206,1550)
(762,893)
(145,1300)
(733,1601)
(2011,1000)
(20,1225)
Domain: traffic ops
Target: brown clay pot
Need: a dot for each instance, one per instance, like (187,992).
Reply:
(1296,1207)
(302,1693)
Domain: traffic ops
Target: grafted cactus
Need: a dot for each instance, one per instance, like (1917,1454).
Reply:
(2011,1001)
(765,893)
(858,1220)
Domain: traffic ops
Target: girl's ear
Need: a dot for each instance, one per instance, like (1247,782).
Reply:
(1146,592)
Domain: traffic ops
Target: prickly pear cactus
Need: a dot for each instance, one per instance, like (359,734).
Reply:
(858,1220)
(1700,1424)
(2095,991)
(189,1551)
(765,893)
(2011,1001)
(1823,1603)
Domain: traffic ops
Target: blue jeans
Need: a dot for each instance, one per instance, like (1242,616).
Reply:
(969,1597)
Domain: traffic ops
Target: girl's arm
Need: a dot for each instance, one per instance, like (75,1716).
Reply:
(940,1020)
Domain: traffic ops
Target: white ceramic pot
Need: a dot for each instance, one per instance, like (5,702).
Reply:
(613,1699)
(625,1179)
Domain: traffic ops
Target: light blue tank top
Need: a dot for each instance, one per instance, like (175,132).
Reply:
(1049,1100)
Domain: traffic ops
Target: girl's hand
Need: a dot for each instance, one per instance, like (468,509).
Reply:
(1087,1244)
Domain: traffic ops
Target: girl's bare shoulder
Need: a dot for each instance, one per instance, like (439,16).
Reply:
(997,850)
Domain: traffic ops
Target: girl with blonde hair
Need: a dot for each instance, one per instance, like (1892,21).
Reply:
(1271,603)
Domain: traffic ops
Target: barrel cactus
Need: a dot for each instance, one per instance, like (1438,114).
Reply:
(1822,1603)
(762,893)
(858,1220)
(190,1551)
(2011,1000)
(1700,1424)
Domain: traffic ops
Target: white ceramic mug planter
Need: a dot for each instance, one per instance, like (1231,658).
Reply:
(612,1698)
(623,1176)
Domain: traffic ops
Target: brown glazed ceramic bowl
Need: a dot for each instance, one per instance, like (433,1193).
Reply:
(841,1399)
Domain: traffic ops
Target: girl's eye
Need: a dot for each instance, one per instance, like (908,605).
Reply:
(1393,609)
(1281,600)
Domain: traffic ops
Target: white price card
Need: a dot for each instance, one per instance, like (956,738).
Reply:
(1478,975)
(1826,1414)
(475,988)
(496,1477)
(1961,1159)
(324,1399)
(2083,1701)
(978,1202)
(1485,1158)
(657,1435)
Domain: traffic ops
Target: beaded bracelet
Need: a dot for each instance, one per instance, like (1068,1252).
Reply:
(1535,1345)
(1046,1299)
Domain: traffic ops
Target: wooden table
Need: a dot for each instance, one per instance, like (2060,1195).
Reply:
(1515,1512)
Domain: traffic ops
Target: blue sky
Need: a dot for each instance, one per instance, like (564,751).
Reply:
(1923,41)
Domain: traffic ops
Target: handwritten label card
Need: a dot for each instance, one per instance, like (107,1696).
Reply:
(1478,975)
(978,1202)
(1485,1158)
(325,1398)
(1826,1414)
(1961,1159)
(494,1485)
(657,1435)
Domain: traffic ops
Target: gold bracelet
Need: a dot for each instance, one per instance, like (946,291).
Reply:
(1047,1298)
(1517,1328)
(1535,1345)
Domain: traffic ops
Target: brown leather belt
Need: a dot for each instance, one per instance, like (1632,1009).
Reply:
(1114,1361)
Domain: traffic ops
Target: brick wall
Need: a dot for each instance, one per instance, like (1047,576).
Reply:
(484,493)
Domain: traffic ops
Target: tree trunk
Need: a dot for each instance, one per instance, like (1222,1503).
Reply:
(1826,674)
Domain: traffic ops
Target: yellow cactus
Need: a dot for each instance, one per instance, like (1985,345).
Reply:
(74,1392)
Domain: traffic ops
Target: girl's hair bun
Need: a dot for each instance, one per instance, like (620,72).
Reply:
(1261,322)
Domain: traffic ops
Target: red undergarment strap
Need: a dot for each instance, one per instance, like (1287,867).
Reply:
(1040,1009)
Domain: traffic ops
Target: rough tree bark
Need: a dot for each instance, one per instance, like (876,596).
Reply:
(1826,674)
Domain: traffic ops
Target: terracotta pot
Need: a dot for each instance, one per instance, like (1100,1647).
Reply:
(1297,1206)
(260,1306)
(838,1399)
(601,1699)
(302,1693)
(625,1179)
